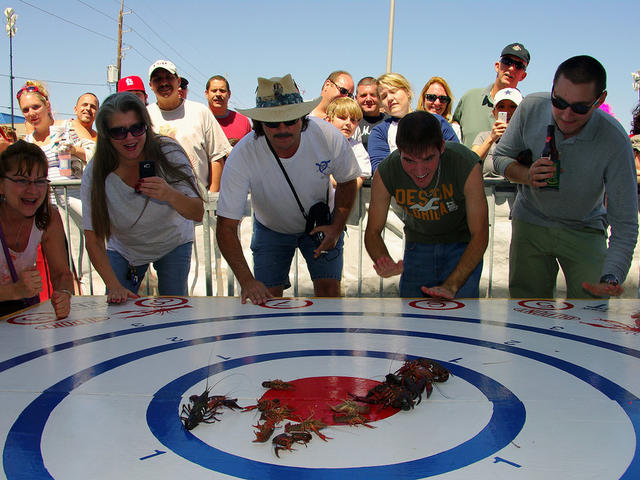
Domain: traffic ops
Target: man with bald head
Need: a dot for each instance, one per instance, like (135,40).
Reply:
(337,84)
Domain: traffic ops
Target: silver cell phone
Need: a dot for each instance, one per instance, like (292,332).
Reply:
(502,116)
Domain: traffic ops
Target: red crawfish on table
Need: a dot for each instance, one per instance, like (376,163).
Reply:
(309,425)
(204,408)
(402,388)
(278,385)
(351,412)
(272,413)
(285,441)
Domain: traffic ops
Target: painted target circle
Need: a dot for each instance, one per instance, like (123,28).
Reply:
(506,421)
(545,305)
(32,318)
(436,304)
(287,303)
(160,302)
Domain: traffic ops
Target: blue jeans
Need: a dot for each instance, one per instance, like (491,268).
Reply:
(173,271)
(429,265)
(273,252)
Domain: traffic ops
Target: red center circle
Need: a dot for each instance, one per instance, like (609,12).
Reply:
(315,396)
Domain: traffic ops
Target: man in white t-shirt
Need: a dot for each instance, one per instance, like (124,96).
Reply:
(190,123)
(309,150)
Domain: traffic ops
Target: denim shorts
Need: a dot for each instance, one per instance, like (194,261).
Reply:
(429,265)
(173,271)
(273,253)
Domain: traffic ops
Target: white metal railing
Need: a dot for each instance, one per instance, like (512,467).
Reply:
(495,189)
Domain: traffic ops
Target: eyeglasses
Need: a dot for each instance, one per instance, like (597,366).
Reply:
(288,123)
(120,133)
(24,183)
(29,89)
(579,108)
(508,62)
(343,91)
(432,98)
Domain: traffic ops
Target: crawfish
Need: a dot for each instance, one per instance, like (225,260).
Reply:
(218,401)
(265,430)
(309,425)
(263,405)
(198,412)
(278,385)
(351,419)
(277,414)
(285,441)
(387,395)
(349,407)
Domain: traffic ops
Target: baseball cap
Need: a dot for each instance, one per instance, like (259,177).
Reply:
(133,82)
(516,50)
(166,64)
(184,83)
(512,94)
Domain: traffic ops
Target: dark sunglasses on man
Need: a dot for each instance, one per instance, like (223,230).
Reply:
(579,108)
(508,62)
(288,123)
(343,91)
(432,98)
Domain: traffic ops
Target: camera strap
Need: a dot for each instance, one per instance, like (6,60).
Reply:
(304,214)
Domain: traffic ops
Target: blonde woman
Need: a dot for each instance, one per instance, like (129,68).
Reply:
(395,95)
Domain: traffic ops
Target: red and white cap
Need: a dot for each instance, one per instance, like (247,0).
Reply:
(133,82)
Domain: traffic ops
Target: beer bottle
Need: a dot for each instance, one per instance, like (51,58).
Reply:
(551,152)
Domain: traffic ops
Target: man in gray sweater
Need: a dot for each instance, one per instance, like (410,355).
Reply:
(597,189)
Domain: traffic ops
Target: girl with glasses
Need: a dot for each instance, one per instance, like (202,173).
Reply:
(129,221)
(26,221)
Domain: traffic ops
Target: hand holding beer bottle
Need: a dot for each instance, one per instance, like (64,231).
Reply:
(545,172)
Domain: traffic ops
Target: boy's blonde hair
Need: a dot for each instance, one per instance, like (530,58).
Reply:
(344,106)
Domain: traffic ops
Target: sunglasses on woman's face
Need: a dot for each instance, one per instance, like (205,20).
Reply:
(432,98)
(120,133)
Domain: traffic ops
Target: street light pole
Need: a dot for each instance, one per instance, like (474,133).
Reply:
(11,31)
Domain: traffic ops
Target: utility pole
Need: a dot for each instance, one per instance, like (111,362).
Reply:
(11,31)
(119,57)
(392,9)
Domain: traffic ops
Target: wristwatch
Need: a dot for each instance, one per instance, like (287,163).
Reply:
(610,279)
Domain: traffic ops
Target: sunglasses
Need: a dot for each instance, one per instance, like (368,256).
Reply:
(29,89)
(343,91)
(120,133)
(288,123)
(508,62)
(432,98)
(579,108)
(24,182)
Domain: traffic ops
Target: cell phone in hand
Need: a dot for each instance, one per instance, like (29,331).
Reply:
(147,169)
(502,116)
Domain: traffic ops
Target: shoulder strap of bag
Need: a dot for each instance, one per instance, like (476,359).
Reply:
(304,214)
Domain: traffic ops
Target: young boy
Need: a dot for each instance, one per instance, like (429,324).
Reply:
(506,100)
(344,113)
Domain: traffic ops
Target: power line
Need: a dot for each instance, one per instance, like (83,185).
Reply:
(168,44)
(57,81)
(69,21)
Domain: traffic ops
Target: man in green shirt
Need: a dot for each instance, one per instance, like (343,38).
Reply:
(439,187)
(474,110)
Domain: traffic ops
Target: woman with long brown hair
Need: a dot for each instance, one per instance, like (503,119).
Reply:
(131,220)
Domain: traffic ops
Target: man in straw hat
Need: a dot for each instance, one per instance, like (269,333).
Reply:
(286,165)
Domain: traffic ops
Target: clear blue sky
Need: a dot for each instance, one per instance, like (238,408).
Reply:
(458,40)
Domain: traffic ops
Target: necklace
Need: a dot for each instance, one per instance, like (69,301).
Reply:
(435,185)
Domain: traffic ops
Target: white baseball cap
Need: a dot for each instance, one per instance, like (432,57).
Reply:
(166,64)
(512,94)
